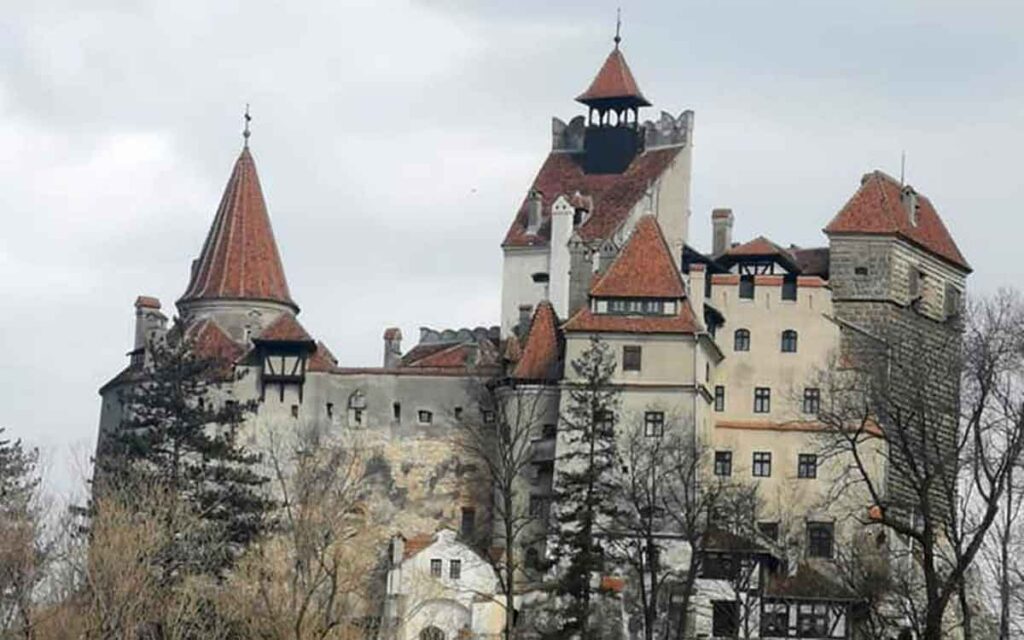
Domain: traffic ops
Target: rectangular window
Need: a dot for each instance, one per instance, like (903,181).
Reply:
(396,410)
(789,287)
(725,618)
(458,413)
(807,465)
(775,619)
(455,569)
(769,530)
(549,431)
(812,400)
(952,302)
(425,417)
(654,424)
(295,411)
(435,567)
(718,566)
(723,463)
(488,417)
(631,357)
(747,287)
(604,420)
(762,467)
(789,338)
(762,400)
(540,506)
(812,620)
(468,523)
(915,285)
(819,539)
(719,398)
(330,409)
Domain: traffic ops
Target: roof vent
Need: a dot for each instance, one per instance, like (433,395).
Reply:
(534,207)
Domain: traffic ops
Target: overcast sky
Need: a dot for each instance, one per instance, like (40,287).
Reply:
(395,139)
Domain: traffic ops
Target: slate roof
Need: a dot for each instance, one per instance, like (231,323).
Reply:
(239,259)
(643,269)
(614,82)
(877,208)
(541,357)
(613,195)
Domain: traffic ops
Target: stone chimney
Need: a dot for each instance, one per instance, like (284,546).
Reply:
(534,211)
(392,347)
(721,231)
(149,321)
(558,271)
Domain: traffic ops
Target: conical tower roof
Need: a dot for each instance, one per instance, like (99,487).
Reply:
(240,260)
(614,85)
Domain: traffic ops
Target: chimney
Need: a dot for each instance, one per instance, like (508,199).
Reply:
(149,321)
(525,317)
(721,231)
(534,210)
(392,347)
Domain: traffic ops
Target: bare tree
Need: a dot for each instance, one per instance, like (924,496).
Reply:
(505,446)
(22,552)
(944,411)
(311,576)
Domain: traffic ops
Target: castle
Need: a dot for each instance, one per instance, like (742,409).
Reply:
(722,342)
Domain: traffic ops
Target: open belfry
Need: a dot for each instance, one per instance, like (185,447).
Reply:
(723,344)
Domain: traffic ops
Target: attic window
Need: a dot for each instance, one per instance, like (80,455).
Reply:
(540,277)
(636,306)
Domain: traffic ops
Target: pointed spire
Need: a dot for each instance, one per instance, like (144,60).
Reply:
(614,85)
(245,131)
(618,27)
(239,260)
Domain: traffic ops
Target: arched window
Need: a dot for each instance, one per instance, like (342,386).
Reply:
(789,341)
(431,633)
(356,409)
(741,340)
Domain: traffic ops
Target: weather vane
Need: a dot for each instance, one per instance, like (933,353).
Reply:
(618,26)
(245,132)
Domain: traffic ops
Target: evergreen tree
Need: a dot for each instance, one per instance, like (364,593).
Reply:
(179,435)
(21,554)
(585,490)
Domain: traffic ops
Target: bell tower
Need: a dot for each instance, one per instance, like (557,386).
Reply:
(613,136)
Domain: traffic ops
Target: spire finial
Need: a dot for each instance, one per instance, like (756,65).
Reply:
(618,26)
(245,132)
(903,166)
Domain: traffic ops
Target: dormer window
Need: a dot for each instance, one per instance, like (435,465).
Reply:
(638,306)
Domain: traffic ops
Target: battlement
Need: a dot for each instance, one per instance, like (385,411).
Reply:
(667,131)
(443,336)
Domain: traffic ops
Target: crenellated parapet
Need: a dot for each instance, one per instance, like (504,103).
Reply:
(441,336)
(668,131)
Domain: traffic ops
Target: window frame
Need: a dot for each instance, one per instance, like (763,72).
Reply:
(455,569)
(815,541)
(654,424)
(436,567)
(723,464)
(807,466)
(762,399)
(632,357)
(789,288)
(761,464)
(789,341)
(769,526)
(812,400)
(741,340)
(424,416)
(747,287)
(719,398)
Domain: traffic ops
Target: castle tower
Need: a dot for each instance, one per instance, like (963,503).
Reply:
(238,279)
(604,171)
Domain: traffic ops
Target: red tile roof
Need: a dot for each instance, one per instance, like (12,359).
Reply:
(285,328)
(322,359)
(210,341)
(589,322)
(759,246)
(540,357)
(614,81)
(239,259)
(451,355)
(644,268)
(613,195)
(416,544)
(147,302)
(877,208)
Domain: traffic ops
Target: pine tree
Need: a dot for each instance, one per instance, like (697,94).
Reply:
(179,435)
(585,489)
(21,555)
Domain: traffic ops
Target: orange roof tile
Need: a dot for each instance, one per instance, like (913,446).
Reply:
(210,341)
(614,81)
(877,208)
(587,321)
(322,359)
(540,357)
(612,584)
(613,195)
(285,328)
(643,269)
(759,246)
(147,302)
(416,544)
(239,259)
